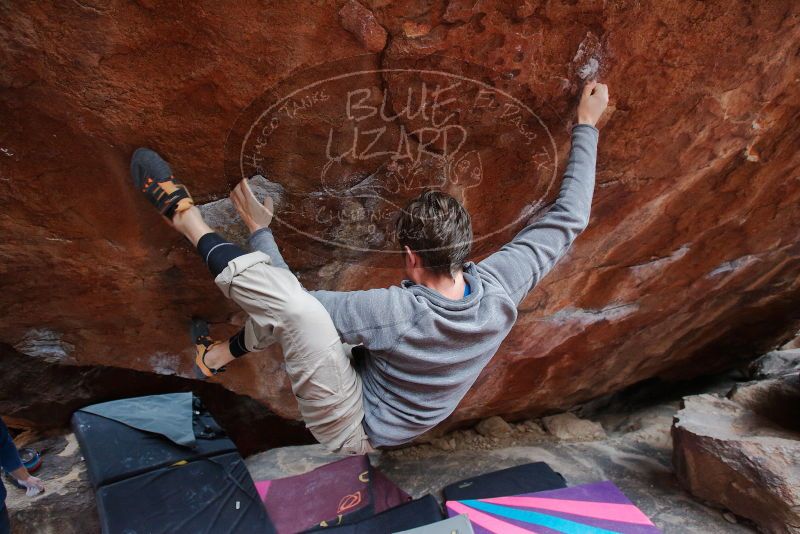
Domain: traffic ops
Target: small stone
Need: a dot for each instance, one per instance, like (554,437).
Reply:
(494,426)
(524,10)
(534,428)
(568,426)
(729,517)
(416,29)
(459,10)
(361,22)
(444,444)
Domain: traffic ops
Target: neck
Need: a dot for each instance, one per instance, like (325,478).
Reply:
(451,287)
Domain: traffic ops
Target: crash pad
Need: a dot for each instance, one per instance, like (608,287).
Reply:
(526,478)
(417,513)
(458,524)
(340,492)
(204,496)
(169,415)
(115,450)
(599,508)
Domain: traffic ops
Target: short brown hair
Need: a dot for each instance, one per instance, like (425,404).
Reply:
(438,228)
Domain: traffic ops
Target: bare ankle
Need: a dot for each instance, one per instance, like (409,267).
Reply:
(191,224)
(182,219)
(218,356)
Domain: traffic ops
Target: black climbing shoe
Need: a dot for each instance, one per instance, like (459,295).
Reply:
(153,177)
(203,343)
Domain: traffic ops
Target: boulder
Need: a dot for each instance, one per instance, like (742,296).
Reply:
(689,264)
(738,454)
(570,427)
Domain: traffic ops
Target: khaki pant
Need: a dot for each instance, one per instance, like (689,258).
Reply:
(327,387)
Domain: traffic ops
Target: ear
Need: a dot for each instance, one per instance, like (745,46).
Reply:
(410,257)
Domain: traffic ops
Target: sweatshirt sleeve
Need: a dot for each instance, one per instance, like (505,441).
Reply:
(522,263)
(375,318)
(263,240)
(9,457)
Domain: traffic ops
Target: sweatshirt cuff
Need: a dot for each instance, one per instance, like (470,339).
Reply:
(11,461)
(258,232)
(13,466)
(585,126)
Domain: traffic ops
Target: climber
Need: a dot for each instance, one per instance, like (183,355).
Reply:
(11,464)
(424,343)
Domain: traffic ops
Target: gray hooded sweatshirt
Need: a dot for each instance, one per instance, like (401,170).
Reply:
(424,350)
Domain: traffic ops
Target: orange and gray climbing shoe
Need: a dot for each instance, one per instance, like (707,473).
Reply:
(203,343)
(153,177)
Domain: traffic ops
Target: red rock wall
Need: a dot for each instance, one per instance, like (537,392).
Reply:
(691,259)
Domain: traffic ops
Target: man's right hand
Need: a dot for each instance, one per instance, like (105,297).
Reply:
(593,103)
(33,486)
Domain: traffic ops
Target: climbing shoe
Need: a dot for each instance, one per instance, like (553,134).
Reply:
(153,177)
(203,343)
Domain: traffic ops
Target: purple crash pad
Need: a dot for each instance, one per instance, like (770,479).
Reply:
(599,508)
(338,493)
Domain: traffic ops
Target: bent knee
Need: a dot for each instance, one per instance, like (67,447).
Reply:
(276,288)
(307,318)
(302,307)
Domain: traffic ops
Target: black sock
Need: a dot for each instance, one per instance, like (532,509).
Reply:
(236,345)
(216,251)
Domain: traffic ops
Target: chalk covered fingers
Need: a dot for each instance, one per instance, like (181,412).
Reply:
(594,101)
(254,214)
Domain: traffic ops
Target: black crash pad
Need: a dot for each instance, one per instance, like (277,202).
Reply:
(420,512)
(526,478)
(114,450)
(208,495)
